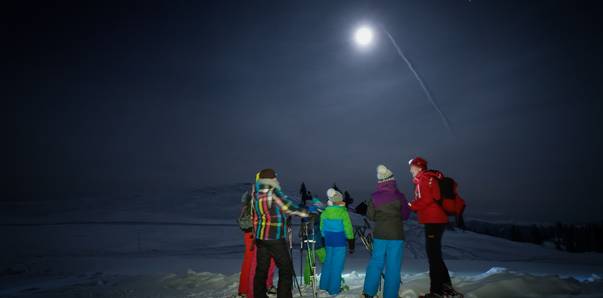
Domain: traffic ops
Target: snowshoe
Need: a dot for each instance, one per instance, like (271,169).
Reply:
(345,288)
(450,292)
(431,295)
(271,291)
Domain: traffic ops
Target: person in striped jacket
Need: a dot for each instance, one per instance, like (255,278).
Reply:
(270,210)
(249,257)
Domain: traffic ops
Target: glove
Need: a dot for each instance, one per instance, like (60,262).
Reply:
(304,213)
(351,245)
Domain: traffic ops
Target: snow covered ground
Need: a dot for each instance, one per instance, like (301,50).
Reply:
(188,245)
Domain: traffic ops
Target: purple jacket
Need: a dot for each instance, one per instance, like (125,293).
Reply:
(388,209)
(388,192)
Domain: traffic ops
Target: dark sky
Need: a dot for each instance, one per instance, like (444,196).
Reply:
(128,97)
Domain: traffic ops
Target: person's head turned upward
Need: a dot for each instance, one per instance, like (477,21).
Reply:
(266,178)
(384,174)
(417,165)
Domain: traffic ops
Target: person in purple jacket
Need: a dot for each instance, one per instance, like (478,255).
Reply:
(389,209)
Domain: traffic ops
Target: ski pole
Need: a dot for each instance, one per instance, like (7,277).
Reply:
(301,248)
(311,256)
(291,257)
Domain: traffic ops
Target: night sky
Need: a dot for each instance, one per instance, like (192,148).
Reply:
(143,97)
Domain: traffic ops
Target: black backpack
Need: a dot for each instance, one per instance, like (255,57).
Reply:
(447,188)
(450,201)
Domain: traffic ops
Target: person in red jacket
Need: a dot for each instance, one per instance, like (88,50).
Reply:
(433,216)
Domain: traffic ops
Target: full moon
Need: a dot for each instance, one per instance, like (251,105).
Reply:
(363,36)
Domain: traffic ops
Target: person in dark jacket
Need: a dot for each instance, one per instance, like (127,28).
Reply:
(271,207)
(388,209)
(433,216)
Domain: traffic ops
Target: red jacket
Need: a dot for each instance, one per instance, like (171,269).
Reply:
(427,190)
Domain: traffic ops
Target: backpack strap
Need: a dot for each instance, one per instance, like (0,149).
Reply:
(253,215)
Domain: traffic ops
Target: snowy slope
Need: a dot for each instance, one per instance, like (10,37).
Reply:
(208,204)
(497,282)
(144,245)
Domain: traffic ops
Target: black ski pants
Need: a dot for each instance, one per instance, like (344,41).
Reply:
(279,251)
(438,272)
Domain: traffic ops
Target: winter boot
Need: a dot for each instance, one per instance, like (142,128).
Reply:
(431,295)
(449,291)
(344,286)
(271,291)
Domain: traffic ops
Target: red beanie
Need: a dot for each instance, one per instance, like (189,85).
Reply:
(419,162)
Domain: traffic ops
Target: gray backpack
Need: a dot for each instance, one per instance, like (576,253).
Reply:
(245,219)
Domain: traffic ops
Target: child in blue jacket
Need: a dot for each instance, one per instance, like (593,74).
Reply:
(336,228)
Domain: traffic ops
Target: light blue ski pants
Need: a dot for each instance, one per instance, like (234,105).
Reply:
(330,276)
(388,254)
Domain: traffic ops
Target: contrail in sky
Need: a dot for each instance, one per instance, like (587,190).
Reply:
(423,86)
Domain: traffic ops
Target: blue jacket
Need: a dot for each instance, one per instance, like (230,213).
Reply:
(336,226)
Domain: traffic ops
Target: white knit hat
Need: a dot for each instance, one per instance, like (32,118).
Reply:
(334,195)
(384,174)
